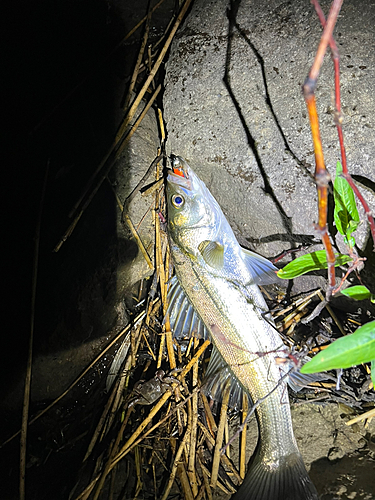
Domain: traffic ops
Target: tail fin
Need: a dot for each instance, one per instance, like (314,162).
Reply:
(289,481)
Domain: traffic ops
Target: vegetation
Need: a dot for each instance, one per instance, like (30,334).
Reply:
(358,347)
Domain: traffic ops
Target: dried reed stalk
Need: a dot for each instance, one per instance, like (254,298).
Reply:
(219,436)
(245,408)
(129,116)
(175,463)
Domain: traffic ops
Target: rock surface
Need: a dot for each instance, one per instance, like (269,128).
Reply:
(234,109)
(336,455)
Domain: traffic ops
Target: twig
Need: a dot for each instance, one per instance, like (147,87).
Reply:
(73,384)
(219,436)
(193,436)
(338,121)
(153,188)
(139,61)
(143,181)
(129,116)
(355,265)
(128,221)
(321,174)
(209,416)
(93,70)
(26,397)
(101,479)
(367,414)
(161,124)
(125,449)
(161,350)
(299,306)
(255,406)
(245,407)
(205,479)
(110,158)
(185,483)
(175,464)
(194,359)
(333,315)
(102,420)
(120,145)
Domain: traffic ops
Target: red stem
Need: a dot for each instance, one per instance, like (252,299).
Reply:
(321,174)
(338,122)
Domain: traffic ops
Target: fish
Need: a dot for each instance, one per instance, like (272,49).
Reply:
(215,295)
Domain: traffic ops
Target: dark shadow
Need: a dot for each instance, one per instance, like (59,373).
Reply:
(303,239)
(365,182)
(50,48)
(233,27)
(54,47)
(302,164)
(355,472)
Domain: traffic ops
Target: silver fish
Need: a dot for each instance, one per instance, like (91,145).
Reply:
(216,292)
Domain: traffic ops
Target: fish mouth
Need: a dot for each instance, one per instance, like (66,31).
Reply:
(179,173)
(180,181)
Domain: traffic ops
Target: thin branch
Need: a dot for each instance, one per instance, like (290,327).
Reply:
(26,398)
(129,116)
(108,162)
(138,62)
(75,382)
(339,120)
(321,174)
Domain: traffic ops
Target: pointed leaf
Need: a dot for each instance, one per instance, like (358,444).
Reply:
(357,292)
(345,213)
(354,349)
(313,261)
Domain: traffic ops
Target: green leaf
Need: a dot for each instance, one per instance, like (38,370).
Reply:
(345,213)
(357,292)
(310,262)
(354,349)
(373,373)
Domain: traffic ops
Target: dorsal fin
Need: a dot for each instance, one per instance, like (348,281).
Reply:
(261,269)
(212,253)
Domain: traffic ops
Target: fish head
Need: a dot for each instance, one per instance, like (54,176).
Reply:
(193,213)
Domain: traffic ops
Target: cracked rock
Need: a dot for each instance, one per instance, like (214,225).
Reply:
(234,109)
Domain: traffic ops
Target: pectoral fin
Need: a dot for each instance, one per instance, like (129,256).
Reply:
(212,253)
(261,269)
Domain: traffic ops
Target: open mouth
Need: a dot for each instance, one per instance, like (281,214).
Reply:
(179,174)
(174,178)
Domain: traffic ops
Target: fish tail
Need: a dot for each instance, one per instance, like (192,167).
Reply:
(288,481)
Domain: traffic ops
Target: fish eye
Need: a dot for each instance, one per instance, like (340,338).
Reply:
(177,201)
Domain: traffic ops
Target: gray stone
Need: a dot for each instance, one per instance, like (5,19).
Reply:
(130,168)
(271,202)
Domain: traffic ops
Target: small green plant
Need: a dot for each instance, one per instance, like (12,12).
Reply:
(313,261)
(351,350)
(359,292)
(358,347)
(345,214)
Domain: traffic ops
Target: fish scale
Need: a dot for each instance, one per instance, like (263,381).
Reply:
(224,308)
(219,279)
